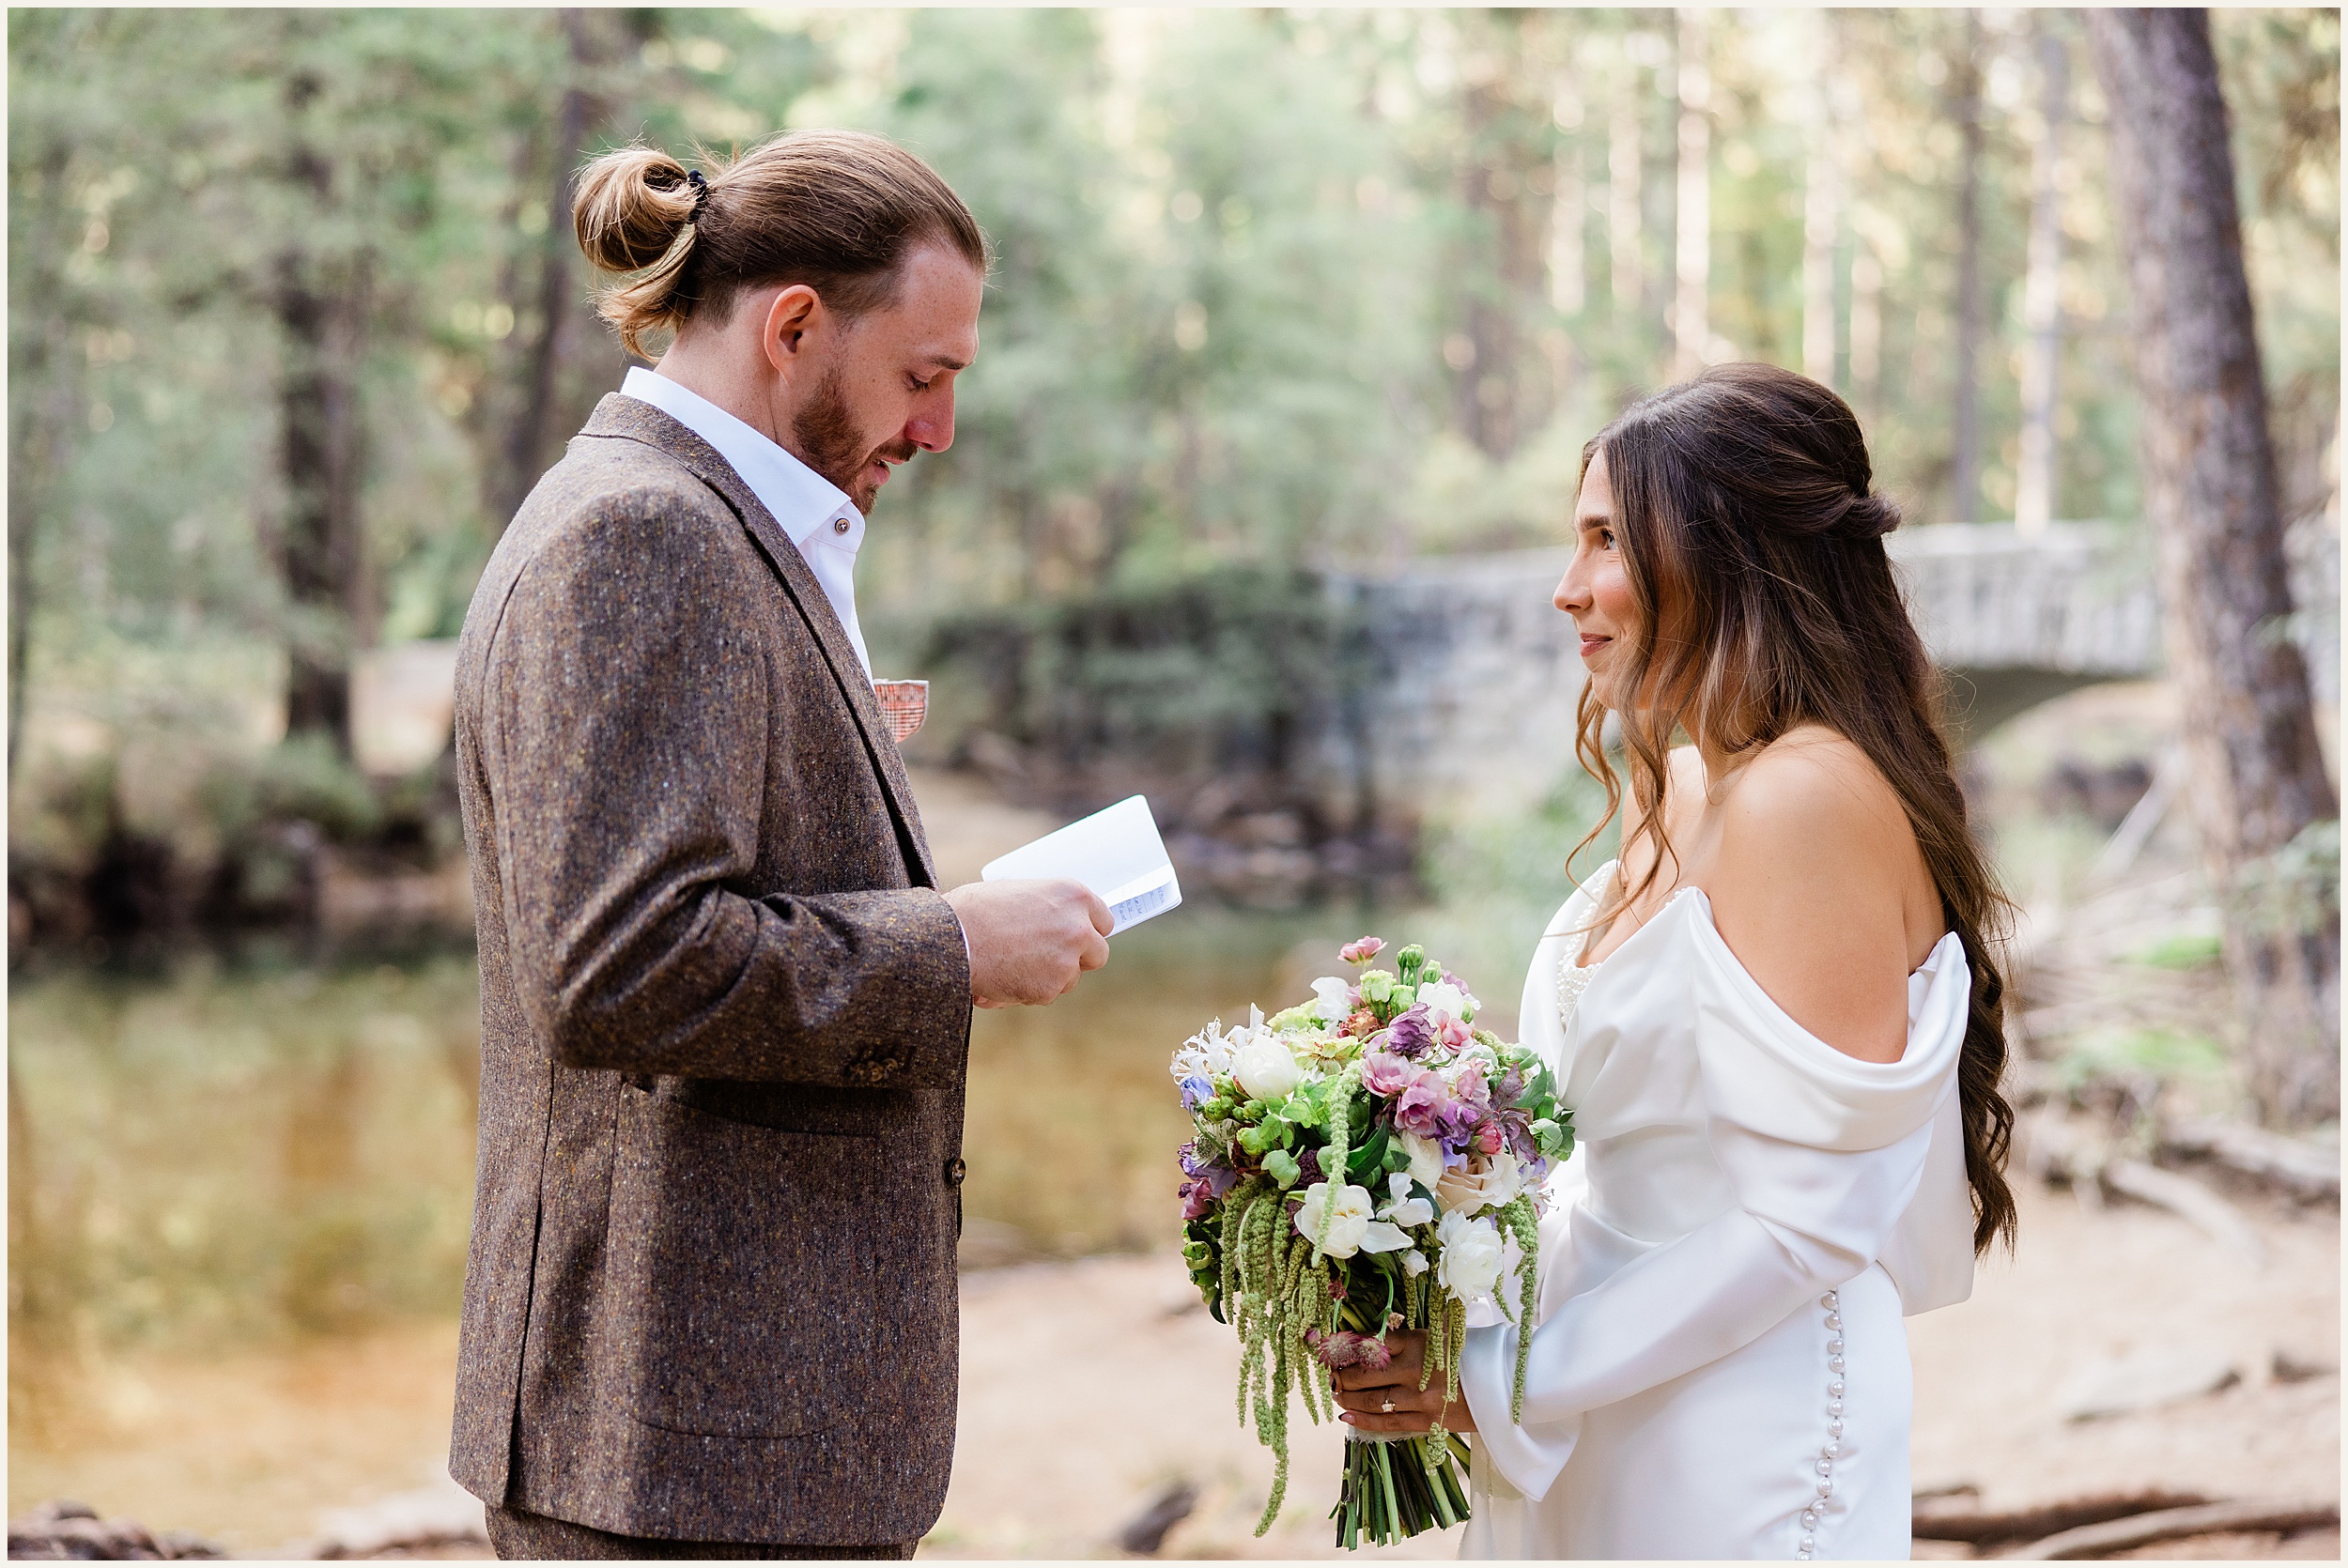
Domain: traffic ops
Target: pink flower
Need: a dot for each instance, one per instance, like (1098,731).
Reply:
(1453,1035)
(1488,1139)
(1385,1073)
(1361,951)
(1345,1348)
(1422,1105)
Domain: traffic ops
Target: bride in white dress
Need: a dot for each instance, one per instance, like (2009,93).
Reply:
(1774,1018)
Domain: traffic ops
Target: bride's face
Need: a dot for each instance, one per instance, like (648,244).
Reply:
(1596,590)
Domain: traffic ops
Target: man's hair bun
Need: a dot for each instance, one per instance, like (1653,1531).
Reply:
(632,205)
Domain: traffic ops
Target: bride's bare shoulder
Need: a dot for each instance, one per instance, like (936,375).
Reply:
(1816,870)
(1812,789)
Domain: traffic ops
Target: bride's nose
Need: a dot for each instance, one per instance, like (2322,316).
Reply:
(1570,596)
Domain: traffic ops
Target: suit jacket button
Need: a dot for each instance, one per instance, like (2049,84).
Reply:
(955,1171)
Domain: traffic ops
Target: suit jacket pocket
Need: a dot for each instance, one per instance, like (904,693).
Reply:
(745,1290)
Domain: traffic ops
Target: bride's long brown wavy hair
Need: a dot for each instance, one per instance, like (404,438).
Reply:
(1753,548)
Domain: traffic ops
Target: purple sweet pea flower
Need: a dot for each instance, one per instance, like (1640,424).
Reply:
(1412,1034)
(1386,1074)
(1217,1177)
(1197,1091)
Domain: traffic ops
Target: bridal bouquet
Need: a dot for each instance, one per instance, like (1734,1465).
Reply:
(1367,1162)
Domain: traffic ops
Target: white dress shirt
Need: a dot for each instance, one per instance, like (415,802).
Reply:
(814,512)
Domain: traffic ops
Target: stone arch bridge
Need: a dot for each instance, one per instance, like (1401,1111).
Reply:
(1476,675)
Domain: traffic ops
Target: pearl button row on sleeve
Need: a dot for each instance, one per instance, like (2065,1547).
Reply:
(1833,1450)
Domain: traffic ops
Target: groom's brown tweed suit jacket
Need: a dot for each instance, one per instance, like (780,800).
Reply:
(725,1016)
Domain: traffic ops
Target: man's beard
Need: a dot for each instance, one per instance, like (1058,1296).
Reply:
(830,444)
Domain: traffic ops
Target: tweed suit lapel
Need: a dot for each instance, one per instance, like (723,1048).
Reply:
(635,420)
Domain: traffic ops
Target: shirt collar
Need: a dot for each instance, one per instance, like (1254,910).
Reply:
(807,507)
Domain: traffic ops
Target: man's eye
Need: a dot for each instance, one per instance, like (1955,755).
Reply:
(919,385)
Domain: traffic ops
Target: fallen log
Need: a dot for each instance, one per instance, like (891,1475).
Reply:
(1146,1533)
(1978,1526)
(2179,1524)
(2189,1201)
(2304,1170)
(62,1531)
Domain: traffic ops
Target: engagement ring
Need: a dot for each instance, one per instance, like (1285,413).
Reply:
(1388,1406)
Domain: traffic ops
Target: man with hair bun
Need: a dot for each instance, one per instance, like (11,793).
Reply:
(710,1306)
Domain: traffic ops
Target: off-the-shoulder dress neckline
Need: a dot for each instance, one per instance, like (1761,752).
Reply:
(1574,979)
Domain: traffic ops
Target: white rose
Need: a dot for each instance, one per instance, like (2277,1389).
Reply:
(1426,1158)
(1473,1253)
(1482,1183)
(1267,1069)
(1445,998)
(1330,1003)
(1348,1214)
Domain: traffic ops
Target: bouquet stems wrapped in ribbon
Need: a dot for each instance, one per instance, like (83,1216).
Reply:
(1367,1162)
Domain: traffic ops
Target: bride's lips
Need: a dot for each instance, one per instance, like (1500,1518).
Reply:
(1592,644)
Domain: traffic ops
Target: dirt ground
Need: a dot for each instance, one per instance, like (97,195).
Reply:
(1089,1386)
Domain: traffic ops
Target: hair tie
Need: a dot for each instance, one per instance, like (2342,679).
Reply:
(700,194)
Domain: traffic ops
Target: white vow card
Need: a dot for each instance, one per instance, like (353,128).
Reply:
(1116,853)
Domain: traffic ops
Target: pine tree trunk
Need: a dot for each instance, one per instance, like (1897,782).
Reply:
(551,312)
(1822,222)
(2042,292)
(1691,326)
(1964,464)
(1625,216)
(2211,496)
(320,302)
(319,310)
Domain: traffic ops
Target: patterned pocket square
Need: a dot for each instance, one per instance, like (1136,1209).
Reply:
(904,704)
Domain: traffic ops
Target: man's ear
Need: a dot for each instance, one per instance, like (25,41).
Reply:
(795,316)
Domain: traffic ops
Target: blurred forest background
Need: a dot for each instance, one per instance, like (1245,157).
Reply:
(295,320)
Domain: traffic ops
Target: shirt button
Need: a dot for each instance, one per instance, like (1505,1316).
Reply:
(955,1171)
(840,525)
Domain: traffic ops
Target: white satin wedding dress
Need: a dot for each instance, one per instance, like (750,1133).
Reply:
(1719,1369)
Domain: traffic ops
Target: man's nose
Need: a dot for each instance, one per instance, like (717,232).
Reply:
(933,429)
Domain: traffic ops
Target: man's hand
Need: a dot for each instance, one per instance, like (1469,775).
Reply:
(1031,940)
(1388,1398)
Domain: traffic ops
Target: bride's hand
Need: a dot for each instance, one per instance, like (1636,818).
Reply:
(1387,1398)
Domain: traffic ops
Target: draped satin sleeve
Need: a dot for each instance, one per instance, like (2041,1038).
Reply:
(1823,1155)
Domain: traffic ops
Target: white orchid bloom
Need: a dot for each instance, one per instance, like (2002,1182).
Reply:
(1413,1263)
(1346,1211)
(1406,1210)
(1380,1237)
